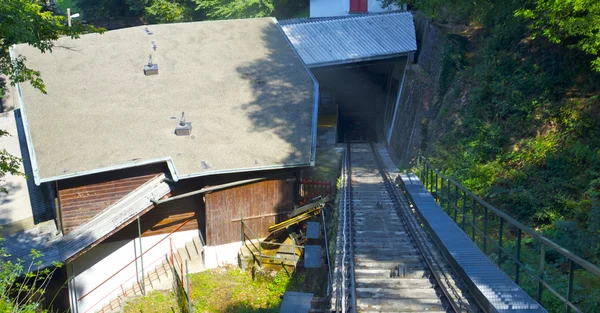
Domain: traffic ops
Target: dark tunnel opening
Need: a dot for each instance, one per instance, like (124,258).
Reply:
(364,95)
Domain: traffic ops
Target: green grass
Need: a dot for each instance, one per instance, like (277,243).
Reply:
(221,290)
(154,302)
(230,290)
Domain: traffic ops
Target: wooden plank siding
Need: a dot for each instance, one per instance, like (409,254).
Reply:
(261,204)
(165,218)
(82,198)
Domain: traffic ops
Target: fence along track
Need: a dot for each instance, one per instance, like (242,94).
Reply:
(382,261)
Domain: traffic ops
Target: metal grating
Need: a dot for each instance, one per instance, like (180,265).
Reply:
(502,294)
(326,42)
(296,302)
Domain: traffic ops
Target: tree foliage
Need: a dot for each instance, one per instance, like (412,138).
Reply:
(27,22)
(232,9)
(32,23)
(573,22)
(23,285)
(165,11)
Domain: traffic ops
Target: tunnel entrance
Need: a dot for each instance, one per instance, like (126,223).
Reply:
(366,95)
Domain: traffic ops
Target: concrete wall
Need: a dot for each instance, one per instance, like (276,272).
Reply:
(106,259)
(325,8)
(227,254)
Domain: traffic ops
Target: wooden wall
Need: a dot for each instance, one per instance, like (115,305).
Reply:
(261,204)
(166,217)
(82,198)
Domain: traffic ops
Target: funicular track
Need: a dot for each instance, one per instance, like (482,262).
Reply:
(383,261)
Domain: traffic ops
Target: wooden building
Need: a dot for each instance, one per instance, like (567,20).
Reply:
(133,177)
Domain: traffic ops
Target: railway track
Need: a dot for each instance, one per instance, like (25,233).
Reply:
(383,260)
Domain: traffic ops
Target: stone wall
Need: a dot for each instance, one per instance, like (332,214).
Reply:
(418,103)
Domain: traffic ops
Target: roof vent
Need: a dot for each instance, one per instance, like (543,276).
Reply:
(184,128)
(150,68)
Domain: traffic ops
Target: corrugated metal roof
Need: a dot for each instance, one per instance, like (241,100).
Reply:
(334,41)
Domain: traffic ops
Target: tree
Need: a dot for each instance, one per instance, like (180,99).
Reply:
(29,22)
(32,23)
(232,9)
(23,287)
(573,22)
(165,11)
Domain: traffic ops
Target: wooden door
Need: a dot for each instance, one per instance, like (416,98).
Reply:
(358,6)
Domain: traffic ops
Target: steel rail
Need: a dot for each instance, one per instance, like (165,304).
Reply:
(409,218)
(351,239)
(339,292)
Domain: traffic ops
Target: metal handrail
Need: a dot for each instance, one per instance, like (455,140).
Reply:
(428,174)
(547,242)
(125,282)
(259,249)
(124,267)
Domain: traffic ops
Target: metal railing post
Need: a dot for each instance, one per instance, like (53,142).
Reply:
(242,224)
(464,210)
(260,253)
(501,234)
(570,288)
(441,193)
(141,257)
(425,179)
(517,266)
(436,187)
(473,206)
(448,192)
(189,287)
(485,228)
(540,289)
(455,200)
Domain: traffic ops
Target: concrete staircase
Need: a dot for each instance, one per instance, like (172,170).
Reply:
(161,276)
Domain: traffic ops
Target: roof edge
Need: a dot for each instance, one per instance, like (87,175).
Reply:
(168,160)
(307,20)
(366,59)
(315,112)
(32,156)
(173,170)
(248,169)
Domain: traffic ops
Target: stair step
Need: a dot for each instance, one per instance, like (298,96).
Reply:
(403,305)
(392,283)
(404,272)
(184,255)
(198,243)
(191,251)
(397,294)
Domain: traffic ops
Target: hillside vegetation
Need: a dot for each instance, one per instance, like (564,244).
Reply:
(519,112)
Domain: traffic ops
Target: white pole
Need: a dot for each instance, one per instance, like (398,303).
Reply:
(69,17)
